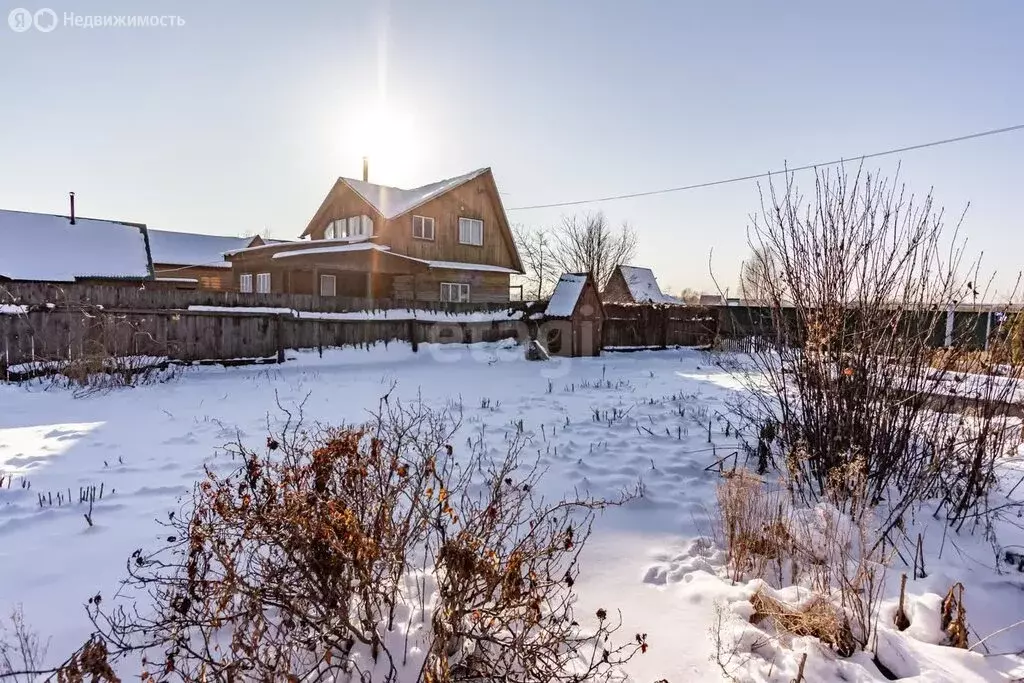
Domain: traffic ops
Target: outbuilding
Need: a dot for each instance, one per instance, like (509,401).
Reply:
(574,318)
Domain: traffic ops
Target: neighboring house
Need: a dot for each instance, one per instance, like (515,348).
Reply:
(50,248)
(195,259)
(712,300)
(576,301)
(447,241)
(634,285)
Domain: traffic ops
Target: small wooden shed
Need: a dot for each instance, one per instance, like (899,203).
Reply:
(574,317)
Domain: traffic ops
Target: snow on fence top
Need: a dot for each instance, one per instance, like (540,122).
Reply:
(644,287)
(391,314)
(392,202)
(567,293)
(45,247)
(193,249)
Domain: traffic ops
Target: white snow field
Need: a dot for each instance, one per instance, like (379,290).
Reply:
(599,424)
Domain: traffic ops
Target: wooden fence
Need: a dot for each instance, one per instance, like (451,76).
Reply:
(651,326)
(138,297)
(57,335)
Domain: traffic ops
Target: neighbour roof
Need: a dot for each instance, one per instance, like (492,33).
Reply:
(39,246)
(643,286)
(392,202)
(566,295)
(193,249)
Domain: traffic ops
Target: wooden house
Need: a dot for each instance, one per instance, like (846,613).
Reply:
(194,260)
(39,247)
(574,318)
(447,241)
(635,285)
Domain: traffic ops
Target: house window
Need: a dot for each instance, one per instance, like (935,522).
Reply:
(471,231)
(328,285)
(347,228)
(263,283)
(455,292)
(423,227)
(245,283)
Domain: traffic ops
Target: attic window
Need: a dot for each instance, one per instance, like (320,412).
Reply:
(349,228)
(471,231)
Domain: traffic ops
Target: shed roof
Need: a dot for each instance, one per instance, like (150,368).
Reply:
(47,247)
(643,286)
(193,249)
(566,295)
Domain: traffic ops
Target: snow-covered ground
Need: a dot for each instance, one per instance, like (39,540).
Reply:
(599,424)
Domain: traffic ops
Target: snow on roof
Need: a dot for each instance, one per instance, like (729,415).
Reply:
(193,249)
(39,246)
(337,249)
(643,286)
(566,295)
(392,202)
(456,265)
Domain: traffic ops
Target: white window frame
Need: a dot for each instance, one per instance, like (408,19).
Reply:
(458,290)
(263,283)
(466,229)
(245,283)
(333,279)
(424,222)
(355,227)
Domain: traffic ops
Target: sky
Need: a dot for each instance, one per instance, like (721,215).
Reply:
(238,120)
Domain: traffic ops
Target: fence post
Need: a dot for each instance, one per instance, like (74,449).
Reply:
(279,337)
(664,328)
(412,335)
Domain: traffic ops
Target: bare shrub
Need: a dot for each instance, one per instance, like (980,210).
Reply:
(370,551)
(23,657)
(21,652)
(864,278)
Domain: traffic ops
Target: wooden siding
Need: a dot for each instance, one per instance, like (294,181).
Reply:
(214,279)
(617,291)
(484,287)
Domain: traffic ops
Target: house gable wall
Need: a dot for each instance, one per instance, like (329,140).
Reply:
(617,291)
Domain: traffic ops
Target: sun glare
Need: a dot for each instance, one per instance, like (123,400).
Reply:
(390,141)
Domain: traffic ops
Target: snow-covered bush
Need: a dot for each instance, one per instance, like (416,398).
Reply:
(373,552)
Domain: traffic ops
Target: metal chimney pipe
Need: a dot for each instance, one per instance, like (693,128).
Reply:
(366,169)
(72,196)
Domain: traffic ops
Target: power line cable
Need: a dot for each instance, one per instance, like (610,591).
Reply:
(739,179)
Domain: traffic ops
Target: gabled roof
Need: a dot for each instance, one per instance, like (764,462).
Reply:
(643,286)
(47,247)
(392,202)
(566,295)
(193,249)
